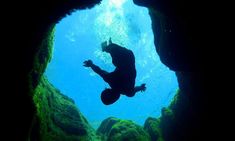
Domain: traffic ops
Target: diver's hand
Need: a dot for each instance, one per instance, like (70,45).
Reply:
(143,87)
(88,63)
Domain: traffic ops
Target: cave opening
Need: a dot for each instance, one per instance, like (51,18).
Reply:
(78,38)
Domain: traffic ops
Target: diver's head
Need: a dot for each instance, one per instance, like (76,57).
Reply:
(109,96)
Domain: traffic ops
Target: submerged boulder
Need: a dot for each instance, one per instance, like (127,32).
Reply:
(106,125)
(114,129)
(151,125)
(59,118)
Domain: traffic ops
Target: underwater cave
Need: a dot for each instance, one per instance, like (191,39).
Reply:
(68,106)
(78,37)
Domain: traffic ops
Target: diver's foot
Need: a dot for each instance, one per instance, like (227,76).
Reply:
(143,87)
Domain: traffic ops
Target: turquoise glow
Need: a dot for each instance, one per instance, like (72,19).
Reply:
(78,38)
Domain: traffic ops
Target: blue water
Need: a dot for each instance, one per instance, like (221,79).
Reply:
(78,38)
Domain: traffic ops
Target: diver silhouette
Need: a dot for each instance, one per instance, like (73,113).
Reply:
(122,79)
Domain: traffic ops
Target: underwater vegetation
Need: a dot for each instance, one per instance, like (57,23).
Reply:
(59,119)
(120,130)
(42,57)
(151,125)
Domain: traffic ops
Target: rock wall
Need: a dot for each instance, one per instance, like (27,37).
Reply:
(179,42)
(58,118)
(180,31)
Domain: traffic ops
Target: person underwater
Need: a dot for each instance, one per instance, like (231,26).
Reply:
(122,79)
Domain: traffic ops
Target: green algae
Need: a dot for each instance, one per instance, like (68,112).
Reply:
(59,118)
(114,129)
(42,58)
(151,125)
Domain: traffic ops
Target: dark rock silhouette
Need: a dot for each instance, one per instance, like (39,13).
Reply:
(188,50)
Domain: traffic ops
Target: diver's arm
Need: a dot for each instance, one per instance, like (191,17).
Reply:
(95,68)
(98,70)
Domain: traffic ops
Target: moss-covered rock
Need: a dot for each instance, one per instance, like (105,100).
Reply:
(177,119)
(41,58)
(151,125)
(106,125)
(126,130)
(58,117)
(122,130)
